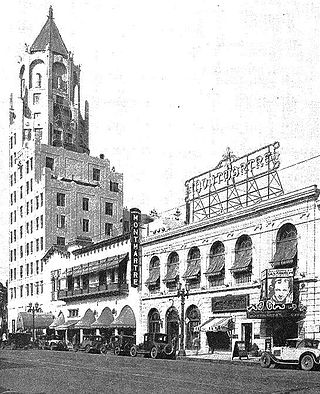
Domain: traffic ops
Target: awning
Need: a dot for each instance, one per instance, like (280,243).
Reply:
(243,260)
(154,277)
(115,261)
(216,265)
(66,325)
(215,324)
(285,252)
(193,269)
(172,273)
(58,321)
(41,320)
(104,320)
(86,321)
(126,319)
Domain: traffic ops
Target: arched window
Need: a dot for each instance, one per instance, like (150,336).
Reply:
(286,247)
(59,80)
(153,282)
(154,320)
(242,267)
(216,269)
(172,275)
(193,319)
(172,323)
(38,80)
(193,272)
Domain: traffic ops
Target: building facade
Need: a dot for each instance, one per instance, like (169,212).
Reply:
(245,271)
(58,192)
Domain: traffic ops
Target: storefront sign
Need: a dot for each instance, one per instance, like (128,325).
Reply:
(135,220)
(266,308)
(230,303)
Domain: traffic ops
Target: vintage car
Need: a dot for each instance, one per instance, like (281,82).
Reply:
(155,345)
(52,342)
(121,344)
(19,340)
(304,353)
(92,344)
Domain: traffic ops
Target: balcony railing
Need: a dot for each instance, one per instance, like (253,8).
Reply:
(92,290)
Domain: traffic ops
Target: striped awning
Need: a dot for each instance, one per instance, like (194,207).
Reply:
(104,320)
(216,265)
(243,260)
(41,320)
(286,251)
(58,321)
(87,320)
(193,269)
(126,319)
(215,324)
(154,276)
(67,325)
(172,273)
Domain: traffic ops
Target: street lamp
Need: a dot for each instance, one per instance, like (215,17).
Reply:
(33,308)
(182,293)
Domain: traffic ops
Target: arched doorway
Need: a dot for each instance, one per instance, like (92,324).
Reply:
(193,318)
(172,323)
(154,321)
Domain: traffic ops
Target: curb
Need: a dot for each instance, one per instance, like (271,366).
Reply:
(252,363)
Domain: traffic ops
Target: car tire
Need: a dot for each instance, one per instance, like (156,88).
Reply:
(307,362)
(154,352)
(133,351)
(265,360)
(51,346)
(103,350)
(116,351)
(87,349)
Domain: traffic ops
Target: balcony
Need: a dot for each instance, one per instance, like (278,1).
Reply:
(94,290)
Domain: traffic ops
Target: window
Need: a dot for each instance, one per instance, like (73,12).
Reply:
(31,226)
(61,241)
(14,254)
(36,98)
(11,274)
(11,217)
(108,228)
(61,199)
(31,289)
(153,282)
(242,267)
(27,208)
(21,271)
(85,225)
(15,177)
(21,231)
(41,221)
(216,269)
(21,191)
(11,180)
(27,269)
(31,268)
(37,223)
(31,163)
(15,216)
(41,286)
(15,196)
(14,273)
(27,249)
(49,162)
(286,247)
(41,266)
(27,227)
(27,166)
(36,115)
(61,221)
(37,267)
(109,208)
(15,292)
(20,171)
(27,290)
(41,199)
(73,312)
(85,204)
(21,291)
(38,80)
(14,235)
(31,205)
(31,185)
(21,251)
(21,211)
(96,174)
(37,245)
(114,186)
(37,202)
(41,243)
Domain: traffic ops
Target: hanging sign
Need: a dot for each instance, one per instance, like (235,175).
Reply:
(135,220)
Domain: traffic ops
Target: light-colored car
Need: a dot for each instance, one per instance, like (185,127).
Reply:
(304,353)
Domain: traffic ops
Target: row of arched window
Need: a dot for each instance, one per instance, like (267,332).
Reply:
(285,257)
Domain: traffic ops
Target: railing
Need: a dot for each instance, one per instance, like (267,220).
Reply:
(110,289)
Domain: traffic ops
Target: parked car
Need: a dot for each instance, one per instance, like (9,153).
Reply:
(304,353)
(92,344)
(121,344)
(52,342)
(155,345)
(18,340)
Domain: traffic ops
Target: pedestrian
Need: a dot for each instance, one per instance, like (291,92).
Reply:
(196,344)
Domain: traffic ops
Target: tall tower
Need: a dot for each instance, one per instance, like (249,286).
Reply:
(58,193)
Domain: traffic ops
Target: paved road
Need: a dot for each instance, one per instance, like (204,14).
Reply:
(34,371)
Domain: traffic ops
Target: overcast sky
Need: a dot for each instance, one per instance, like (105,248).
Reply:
(171,84)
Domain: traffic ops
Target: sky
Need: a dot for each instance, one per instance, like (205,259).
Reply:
(172,84)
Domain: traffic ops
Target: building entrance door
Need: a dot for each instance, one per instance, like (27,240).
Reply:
(172,323)
(246,334)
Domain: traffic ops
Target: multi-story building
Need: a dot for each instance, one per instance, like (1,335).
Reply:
(58,192)
(245,264)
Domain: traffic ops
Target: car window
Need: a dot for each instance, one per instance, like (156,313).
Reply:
(291,344)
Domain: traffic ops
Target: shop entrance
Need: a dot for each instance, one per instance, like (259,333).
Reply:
(218,340)
(246,334)
(281,329)
(172,323)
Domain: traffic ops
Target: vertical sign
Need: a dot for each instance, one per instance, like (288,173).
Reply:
(135,219)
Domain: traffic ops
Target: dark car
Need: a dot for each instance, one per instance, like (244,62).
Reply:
(52,342)
(121,344)
(92,344)
(18,340)
(155,345)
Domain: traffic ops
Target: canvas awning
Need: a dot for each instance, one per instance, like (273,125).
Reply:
(115,261)
(67,325)
(243,260)
(285,252)
(86,321)
(58,321)
(193,269)
(104,320)
(216,265)
(215,324)
(126,319)
(172,273)
(154,276)
(41,320)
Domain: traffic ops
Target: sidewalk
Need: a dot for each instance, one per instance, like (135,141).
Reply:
(220,357)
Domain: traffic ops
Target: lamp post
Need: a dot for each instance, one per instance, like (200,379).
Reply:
(182,293)
(33,308)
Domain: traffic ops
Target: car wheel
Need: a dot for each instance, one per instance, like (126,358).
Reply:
(103,350)
(116,350)
(265,360)
(307,362)
(153,352)
(51,346)
(87,349)
(133,351)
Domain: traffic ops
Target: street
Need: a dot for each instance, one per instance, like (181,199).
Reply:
(35,371)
